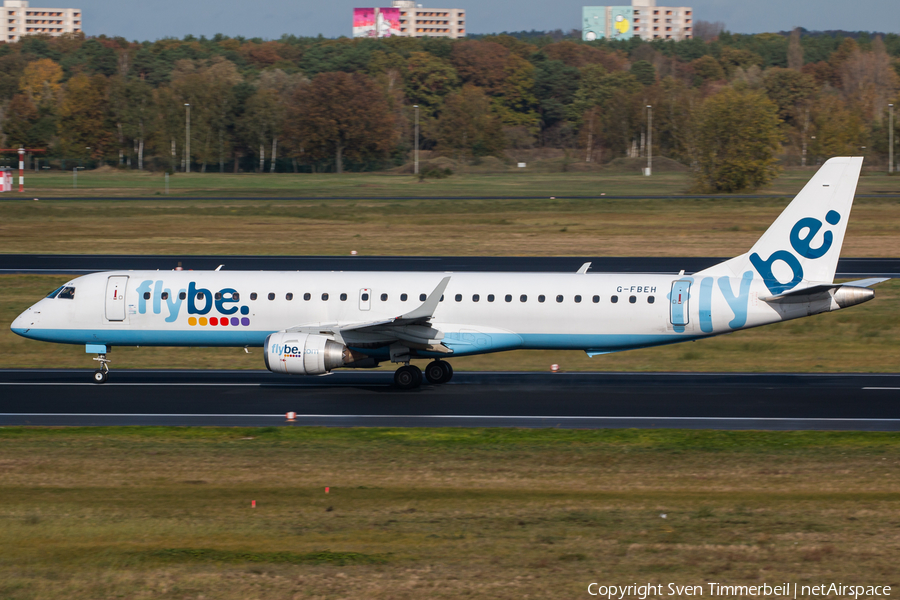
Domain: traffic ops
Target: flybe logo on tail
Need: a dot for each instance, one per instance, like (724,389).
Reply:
(801,238)
(199,301)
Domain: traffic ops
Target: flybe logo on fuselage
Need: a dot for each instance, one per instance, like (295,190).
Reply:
(802,245)
(199,301)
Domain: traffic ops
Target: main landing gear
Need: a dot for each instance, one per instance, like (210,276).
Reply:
(101,374)
(409,377)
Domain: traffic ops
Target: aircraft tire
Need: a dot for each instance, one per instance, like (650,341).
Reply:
(408,377)
(438,371)
(100,376)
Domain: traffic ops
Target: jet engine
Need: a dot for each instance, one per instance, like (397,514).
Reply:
(304,354)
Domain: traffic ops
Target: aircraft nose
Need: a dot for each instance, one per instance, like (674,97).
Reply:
(23,322)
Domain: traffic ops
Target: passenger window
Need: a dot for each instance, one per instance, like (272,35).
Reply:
(218,295)
(253,296)
(577,299)
(384,297)
(596,299)
(559,298)
(147,295)
(307,296)
(182,296)
(614,299)
(55,292)
(459,297)
(650,299)
(271,295)
(475,297)
(403,297)
(67,293)
(541,298)
(289,296)
(325,296)
(490,297)
(523,298)
(422,297)
(165,295)
(508,298)
(200,296)
(235,296)
(365,297)
(632,299)
(343,297)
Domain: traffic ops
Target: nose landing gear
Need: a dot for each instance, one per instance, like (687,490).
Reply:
(101,374)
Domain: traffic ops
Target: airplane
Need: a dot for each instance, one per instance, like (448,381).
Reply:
(310,323)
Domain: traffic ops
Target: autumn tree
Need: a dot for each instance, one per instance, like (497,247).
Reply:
(467,127)
(342,115)
(41,81)
(428,80)
(795,51)
(84,123)
(737,139)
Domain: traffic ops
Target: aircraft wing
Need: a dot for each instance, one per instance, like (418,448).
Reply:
(412,329)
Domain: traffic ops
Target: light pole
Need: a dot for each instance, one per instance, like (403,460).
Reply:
(891,140)
(649,140)
(187,138)
(416,106)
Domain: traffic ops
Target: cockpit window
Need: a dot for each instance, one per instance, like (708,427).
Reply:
(68,293)
(55,292)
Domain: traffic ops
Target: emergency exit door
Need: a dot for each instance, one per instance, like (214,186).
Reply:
(115,298)
(681,293)
(365,299)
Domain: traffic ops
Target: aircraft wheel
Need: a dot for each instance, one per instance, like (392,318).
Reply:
(100,376)
(438,371)
(408,377)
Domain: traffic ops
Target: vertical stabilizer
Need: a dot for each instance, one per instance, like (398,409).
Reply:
(803,245)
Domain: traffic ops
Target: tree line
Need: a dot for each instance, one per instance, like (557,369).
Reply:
(732,107)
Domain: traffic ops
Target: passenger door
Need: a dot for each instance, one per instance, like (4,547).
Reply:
(115,297)
(680,310)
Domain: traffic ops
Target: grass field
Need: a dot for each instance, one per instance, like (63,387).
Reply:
(110,183)
(438,513)
(582,227)
(859,339)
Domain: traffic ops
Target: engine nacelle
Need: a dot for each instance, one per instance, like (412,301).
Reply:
(304,354)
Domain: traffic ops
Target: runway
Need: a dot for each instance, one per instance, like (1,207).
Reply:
(78,264)
(867,402)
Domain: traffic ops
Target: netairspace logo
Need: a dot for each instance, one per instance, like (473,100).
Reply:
(199,301)
(720,590)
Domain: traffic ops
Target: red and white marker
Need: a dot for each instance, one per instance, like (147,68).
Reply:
(21,169)
(253,504)
(554,368)
(326,490)
(291,417)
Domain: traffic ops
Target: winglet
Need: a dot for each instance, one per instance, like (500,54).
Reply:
(426,311)
(584,268)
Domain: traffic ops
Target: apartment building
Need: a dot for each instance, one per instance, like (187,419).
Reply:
(643,19)
(22,19)
(406,18)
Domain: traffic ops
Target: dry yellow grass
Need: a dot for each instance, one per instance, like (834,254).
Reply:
(439,513)
(599,227)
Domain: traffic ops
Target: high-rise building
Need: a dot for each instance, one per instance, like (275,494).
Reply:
(408,19)
(22,19)
(643,19)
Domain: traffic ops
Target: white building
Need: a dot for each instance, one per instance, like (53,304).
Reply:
(642,19)
(652,22)
(22,19)
(417,21)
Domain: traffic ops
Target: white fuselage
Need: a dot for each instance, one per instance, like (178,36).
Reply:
(480,312)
